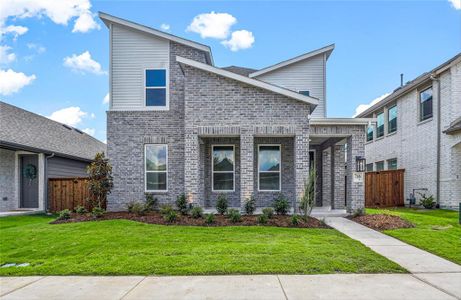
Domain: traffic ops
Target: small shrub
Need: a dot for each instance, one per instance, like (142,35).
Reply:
(166,209)
(250,205)
(358,212)
(427,201)
(209,219)
(281,205)
(170,217)
(196,212)
(268,212)
(136,207)
(182,204)
(221,204)
(97,212)
(80,210)
(295,220)
(64,214)
(151,202)
(262,219)
(234,215)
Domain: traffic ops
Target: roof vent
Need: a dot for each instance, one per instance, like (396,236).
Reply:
(78,130)
(67,126)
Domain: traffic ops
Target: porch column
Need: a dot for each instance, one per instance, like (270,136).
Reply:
(191,166)
(301,163)
(326,174)
(246,166)
(355,190)
(338,173)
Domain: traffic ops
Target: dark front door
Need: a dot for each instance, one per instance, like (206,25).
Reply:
(29,181)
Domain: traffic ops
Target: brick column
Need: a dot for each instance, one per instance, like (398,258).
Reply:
(301,163)
(326,174)
(338,173)
(191,166)
(247,177)
(355,190)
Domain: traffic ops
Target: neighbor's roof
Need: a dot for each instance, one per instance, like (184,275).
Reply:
(250,81)
(239,70)
(108,19)
(409,86)
(21,129)
(454,126)
(327,50)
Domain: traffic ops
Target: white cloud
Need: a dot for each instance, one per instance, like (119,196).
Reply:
(13,29)
(85,23)
(60,12)
(213,25)
(37,48)
(456,4)
(165,27)
(5,56)
(240,39)
(70,115)
(363,107)
(11,81)
(93,116)
(106,99)
(90,131)
(83,63)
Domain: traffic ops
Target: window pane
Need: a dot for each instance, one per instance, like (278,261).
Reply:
(269,181)
(223,158)
(370,133)
(269,158)
(155,78)
(380,166)
(392,164)
(380,125)
(370,167)
(156,181)
(155,97)
(425,97)
(305,93)
(223,181)
(156,157)
(392,112)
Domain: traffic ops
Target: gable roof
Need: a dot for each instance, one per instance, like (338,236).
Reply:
(108,19)
(250,81)
(21,129)
(239,70)
(327,50)
(423,78)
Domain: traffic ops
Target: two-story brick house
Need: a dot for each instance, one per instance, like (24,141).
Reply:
(179,124)
(418,129)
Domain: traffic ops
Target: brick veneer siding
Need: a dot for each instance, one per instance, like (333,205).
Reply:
(339,173)
(128,131)
(326,175)
(7,178)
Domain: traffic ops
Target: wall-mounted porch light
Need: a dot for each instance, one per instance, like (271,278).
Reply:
(360,164)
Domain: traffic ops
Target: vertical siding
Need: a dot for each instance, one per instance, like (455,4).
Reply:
(308,75)
(132,52)
(59,167)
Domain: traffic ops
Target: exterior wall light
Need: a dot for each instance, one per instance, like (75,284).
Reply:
(360,164)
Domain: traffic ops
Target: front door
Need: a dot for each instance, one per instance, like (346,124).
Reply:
(29,181)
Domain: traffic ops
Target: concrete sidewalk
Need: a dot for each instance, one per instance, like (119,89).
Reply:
(436,271)
(336,286)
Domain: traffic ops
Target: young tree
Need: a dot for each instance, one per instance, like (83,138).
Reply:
(100,181)
(308,197)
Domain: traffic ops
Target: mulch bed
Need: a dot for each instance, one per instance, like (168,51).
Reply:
(156,218)
(382,221)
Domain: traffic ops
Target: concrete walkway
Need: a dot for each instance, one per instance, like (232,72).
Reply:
(432,269)
(336,286)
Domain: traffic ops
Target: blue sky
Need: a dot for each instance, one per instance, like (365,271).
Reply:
(375,42)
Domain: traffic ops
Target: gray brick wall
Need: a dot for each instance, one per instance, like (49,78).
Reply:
(7,184)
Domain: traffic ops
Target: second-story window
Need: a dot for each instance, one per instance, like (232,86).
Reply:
(392,119)
(425,104)
(370,133)
(305,93)
(380,125)
(156,88)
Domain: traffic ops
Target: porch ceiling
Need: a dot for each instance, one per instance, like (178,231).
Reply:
(319,140)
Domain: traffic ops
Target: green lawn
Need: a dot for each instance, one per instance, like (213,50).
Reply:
(121,247)
(436,231)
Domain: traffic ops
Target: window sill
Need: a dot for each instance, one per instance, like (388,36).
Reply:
(368,142)
(424,121)
(379,138)
(156,192)
(225,192)
(392,133)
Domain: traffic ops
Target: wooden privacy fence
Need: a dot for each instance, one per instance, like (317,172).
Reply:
(68,193)
(384,188)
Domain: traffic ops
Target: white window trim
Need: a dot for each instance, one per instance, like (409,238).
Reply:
(213,171)
(420,91)
(167,90)
(396,117)
(384,124)
(145,170)
(279,171)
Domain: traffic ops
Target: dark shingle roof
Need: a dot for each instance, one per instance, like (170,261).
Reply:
(20,128)
(239,70)
(454,126)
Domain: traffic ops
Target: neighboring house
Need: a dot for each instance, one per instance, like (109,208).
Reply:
(419,129)
(32,150)
(178,124)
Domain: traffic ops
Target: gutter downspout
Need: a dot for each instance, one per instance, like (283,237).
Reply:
(46,181)
(437,199)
